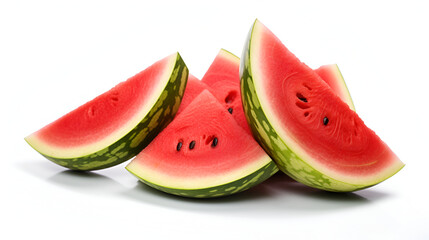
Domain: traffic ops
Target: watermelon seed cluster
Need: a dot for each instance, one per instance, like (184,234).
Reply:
(213,140)
(229,99)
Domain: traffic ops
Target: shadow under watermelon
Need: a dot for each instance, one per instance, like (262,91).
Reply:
(279,196)
(282,182)
(78,181)
(86,182)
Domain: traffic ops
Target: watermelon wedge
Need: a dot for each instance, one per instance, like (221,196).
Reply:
(119,123)
(203,153)
(223,79)
(313,136)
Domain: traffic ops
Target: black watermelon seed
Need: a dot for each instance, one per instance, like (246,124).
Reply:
(230,110)
(301,97)
(192,145)
(325,121)
(179,146)
(214,143)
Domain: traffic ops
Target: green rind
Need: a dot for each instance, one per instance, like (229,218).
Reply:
(160,115)
(287,161)
(236,186)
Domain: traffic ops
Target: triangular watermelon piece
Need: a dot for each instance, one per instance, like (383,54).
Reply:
(203,152)
(117,124)
(309,131)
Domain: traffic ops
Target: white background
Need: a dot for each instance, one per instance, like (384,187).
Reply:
(56,56)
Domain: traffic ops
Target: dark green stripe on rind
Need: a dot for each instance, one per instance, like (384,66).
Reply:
(222,190)
(265,134)
(161,114)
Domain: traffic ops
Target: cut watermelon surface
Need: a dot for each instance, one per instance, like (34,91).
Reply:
(203,153)
(332,76)
(119,123)
(306,128)
(223,78)
(193,88)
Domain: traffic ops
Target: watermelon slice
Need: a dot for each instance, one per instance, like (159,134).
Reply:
(203,153)
(223,78)
(119,123)
(307,129)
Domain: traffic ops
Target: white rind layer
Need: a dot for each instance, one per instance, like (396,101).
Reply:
(169,180)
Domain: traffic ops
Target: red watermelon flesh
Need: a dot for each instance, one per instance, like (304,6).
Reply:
(193,88)
(214,153)
(311,120)
(332,76)
(87,124)
(223,78)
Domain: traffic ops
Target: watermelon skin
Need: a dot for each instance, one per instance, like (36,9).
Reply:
(233,187)
(288,160)
(203,172)
(159,116)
